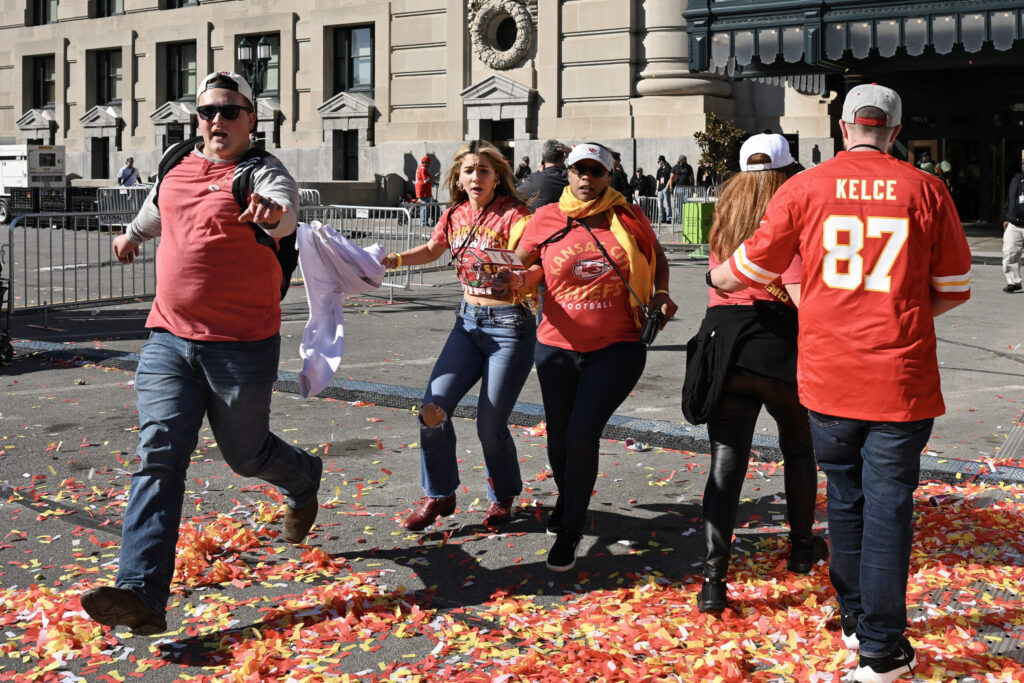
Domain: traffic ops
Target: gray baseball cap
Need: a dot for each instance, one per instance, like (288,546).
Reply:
(873,95)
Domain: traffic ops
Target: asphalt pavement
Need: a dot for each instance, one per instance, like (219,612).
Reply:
(68,424)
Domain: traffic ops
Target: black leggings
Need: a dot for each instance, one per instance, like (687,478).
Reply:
(731,430)
(581,392)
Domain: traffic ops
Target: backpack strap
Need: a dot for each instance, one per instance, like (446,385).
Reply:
(241,188)
(171,158)
(284,248)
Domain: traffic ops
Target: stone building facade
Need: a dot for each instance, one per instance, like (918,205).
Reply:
(357,91)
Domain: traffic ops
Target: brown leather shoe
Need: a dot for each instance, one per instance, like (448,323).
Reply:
(112,606)
(500,512)
(427,511)
(297,521)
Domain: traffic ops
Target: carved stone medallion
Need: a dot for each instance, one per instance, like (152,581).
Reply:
(502,31)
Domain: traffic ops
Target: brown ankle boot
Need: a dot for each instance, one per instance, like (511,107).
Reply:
(297,521)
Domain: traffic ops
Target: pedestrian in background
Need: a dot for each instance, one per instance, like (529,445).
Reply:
(1013,232)
(589,354)
(491,343)
(754,334)
(128,175)
(545,186)
(523,171)
(213,350)
(664,193)
(682,175)
(619,179)
(883,253)
(424,188)
(641,185)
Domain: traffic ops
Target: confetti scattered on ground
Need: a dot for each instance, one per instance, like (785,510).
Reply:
(246,608)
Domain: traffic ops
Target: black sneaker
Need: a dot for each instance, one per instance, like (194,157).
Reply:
(848,622)
(113,606)
(889,668)
(1015,287)
(562,557)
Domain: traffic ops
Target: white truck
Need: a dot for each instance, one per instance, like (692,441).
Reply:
(28,166)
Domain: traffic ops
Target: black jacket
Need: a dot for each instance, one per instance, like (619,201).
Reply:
(620,181)
(759,339)
(1014,205)
(645,185)
(546,185)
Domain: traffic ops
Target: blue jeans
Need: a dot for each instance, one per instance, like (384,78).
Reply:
(872,470)
(492,344)
(665,204)
(178,381)
(581,392)
(425,211)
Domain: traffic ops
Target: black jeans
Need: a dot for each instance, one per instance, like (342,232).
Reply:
(581,392)
(731,430)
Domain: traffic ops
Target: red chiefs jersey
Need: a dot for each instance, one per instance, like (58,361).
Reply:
(878,238)
(585,302)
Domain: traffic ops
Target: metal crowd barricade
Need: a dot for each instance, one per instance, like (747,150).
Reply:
(691,193)
(66,260)
(425,216)
(649,205)
(120,200)
(308,197)
(368,225)
(6,307)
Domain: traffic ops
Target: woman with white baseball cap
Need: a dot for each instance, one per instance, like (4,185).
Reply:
(603,270)
(742,358)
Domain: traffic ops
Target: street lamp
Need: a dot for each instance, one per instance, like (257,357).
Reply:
(253,70)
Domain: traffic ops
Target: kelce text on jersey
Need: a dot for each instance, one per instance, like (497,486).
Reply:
(860,188)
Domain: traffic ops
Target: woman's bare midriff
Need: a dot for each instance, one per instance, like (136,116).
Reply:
(482,300)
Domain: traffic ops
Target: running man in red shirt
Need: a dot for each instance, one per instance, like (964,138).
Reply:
(883,254)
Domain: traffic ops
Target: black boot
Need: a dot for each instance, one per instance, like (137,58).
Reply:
(721,505)
(802,558)
(712,598)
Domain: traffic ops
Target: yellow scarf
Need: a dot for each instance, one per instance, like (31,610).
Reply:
(641,268)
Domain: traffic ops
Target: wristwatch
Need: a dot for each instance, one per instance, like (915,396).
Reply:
(707,279)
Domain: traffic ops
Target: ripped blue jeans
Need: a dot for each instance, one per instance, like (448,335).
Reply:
(492,345)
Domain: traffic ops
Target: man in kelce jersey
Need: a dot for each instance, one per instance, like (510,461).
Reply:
(883,253)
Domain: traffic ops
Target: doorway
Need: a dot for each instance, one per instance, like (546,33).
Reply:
(501,133)
(345,155)
(99,154)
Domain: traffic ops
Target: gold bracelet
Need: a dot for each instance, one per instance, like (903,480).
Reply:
(661,291)
(396,259)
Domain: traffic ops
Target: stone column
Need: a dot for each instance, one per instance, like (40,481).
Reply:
(665,47)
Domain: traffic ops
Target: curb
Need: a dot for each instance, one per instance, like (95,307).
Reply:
(660,433)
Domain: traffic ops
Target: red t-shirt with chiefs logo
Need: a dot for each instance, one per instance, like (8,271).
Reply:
(878,238)
(585,303)
(468,232)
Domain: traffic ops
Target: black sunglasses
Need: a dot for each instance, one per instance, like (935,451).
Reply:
(228,112)
(590,170)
